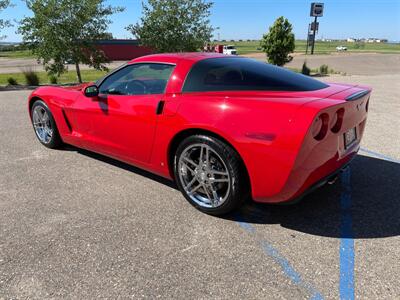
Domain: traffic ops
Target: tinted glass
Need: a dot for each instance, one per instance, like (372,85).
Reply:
(242,74)
(137,79)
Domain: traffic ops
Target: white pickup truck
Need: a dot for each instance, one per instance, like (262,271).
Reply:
(229,50)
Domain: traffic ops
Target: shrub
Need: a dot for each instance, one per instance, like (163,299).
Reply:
(278,43)
(31,78)
(53,79)
(12,81)
(305,70)
(323,69)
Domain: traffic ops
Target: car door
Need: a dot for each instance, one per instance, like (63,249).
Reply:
(121,120)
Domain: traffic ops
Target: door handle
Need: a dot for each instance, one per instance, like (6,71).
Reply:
(160,107)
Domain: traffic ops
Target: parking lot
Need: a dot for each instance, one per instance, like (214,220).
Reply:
(74,224)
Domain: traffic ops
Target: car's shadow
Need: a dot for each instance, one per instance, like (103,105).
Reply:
(375,202)
(375,205)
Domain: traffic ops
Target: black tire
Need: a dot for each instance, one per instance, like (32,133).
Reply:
(55,140)
(239,186)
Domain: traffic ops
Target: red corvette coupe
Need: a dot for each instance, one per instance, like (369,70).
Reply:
(224,128)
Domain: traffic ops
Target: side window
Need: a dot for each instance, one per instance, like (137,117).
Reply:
(138,79)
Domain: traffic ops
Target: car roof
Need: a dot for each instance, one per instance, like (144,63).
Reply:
(174,58)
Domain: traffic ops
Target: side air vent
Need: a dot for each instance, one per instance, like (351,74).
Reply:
(66,120)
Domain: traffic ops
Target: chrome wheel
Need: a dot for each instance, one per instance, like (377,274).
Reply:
(204,175)
(42,124)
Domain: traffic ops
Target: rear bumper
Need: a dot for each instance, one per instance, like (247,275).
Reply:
(299,184)
(325,180)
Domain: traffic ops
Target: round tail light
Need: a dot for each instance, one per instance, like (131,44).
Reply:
(337,120)
(320,126)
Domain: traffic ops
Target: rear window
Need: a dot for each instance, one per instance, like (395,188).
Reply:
(243,74)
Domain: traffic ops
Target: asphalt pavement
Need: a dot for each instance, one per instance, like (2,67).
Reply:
(74,224)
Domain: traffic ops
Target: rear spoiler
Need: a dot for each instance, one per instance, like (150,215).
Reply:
(357,95)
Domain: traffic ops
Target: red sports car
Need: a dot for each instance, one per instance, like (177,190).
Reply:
(224,128)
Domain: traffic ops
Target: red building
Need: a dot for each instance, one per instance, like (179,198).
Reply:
(122,49)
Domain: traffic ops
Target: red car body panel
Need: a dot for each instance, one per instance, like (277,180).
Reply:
(271,130)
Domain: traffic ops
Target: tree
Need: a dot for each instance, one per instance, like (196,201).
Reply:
(65,30)
(174,25)
(4,23)
(278,43)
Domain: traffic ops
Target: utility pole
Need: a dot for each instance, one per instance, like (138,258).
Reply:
(308,38)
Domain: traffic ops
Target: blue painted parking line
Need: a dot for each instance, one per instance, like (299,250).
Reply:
(346,253)
(286,267)
(346,278)
(378,155)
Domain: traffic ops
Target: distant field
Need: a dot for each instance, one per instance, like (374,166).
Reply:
(327,47)
(68,77)
(17,54)
(246,47)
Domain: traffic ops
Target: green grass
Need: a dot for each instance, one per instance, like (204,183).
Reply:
(328,47)
(17,54)
(68,77)
(245,47)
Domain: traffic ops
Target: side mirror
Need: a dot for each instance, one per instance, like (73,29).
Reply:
(91,91)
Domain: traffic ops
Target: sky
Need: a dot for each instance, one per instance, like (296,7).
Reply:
(250,19)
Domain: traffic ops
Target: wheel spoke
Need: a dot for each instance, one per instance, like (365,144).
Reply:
(35,116)
(212,179)
(195,188)
(187,187)
(201,155)
(190,161)
(222,173)
(45,117)
(215,196)
(206,191)
(191,191)
(49,131)
(207,160)
(187,166)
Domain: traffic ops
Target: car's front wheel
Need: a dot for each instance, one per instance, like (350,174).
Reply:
(44,125)
(210,174)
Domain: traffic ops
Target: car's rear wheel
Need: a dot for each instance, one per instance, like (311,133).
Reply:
(44,125)
(210,174)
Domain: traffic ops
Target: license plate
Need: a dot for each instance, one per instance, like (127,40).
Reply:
(350,137)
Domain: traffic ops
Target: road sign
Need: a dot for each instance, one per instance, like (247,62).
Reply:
(317,9)
(310,39)
(314,26)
